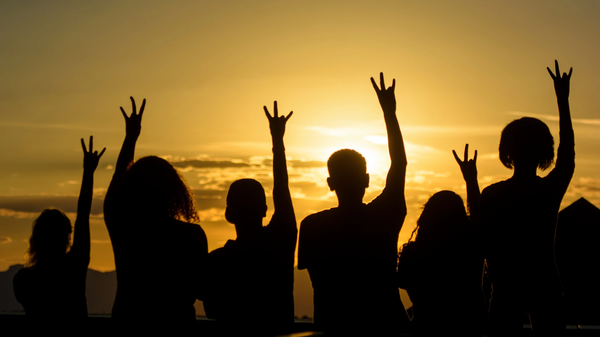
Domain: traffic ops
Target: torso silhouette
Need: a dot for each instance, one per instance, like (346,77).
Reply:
(53,292)
(158,263)
(444,284)
(351,257)
(250,279)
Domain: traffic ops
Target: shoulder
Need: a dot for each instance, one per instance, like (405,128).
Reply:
(319,218)
(495,189)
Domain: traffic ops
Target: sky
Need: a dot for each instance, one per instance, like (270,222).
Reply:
(463,70)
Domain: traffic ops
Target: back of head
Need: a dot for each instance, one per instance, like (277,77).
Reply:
(50,237)
(348,172)
(526,141)
(152,187)
(245,200)
(443,217)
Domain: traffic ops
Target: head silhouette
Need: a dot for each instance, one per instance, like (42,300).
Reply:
(50,237)
(526,142)
(348,175)
(443,217)
(246,202)
(152,187)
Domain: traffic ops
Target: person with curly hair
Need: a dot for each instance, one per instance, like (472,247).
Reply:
(159,250)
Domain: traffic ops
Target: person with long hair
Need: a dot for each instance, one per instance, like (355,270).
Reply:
(519,217)
(52,285)
(441,268)
(159,250)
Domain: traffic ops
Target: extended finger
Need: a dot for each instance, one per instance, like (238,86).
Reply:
(374,84)
(456,157)
(557,69)
(267,112)
(142,108)
(393,84)
(382,82)
(101,153)
(123,112)
(550,72)
(83,146)
(91,143)
(475,156)
(466,152)
(275,109)
(289,115)
(132,105)
(570,72)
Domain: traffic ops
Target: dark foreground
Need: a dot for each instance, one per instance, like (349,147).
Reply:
(102,325)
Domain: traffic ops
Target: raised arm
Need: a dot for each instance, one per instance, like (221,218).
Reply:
(81,237)
(565,160)
(397,173)
(133,127)
(468,167)
(284,211)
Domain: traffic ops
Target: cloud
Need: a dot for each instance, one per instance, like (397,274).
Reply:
(554,118)
(201,164)
(5,239)
(305,164)
(36,204)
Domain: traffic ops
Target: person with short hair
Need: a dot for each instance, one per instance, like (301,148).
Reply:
(250,281)
(519,217)
(351,250)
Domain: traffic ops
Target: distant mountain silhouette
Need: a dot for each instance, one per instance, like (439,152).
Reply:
(100,291)
(578,256)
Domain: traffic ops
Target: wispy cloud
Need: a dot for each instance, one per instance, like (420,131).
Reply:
(5,239)
(554,118)
(18,206)
(201,164)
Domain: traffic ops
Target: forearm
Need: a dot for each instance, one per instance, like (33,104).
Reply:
(397,173)
(473,200)
(281,192)
(81,235)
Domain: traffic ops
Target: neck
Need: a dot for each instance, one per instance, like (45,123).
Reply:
(247,228)
(527,172)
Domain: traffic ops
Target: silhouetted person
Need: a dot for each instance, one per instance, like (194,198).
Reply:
(159,254)
(251,278)
(441,269)
(51,287)
(519,221)
(351,250)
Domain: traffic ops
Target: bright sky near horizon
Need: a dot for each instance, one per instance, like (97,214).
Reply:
(463,70)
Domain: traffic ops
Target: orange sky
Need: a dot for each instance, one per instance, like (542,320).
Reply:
(463,69)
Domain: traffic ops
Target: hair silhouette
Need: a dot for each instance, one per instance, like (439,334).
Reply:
(526,140)
(523,274)
(50,237)
(152,187)
(351,251)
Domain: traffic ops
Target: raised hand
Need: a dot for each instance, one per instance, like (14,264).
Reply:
(276,122)
(468,167)
(387,98)
(91,157)
(561,84)
(133,123)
